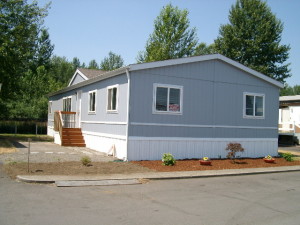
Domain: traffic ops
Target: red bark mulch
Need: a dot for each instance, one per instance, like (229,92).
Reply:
(217,164)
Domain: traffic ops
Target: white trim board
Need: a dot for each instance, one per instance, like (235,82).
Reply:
(137,138)
(113,136)
(200,126)
(104,122)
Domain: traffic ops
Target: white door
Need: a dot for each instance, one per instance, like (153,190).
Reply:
(285,118)
(78,109)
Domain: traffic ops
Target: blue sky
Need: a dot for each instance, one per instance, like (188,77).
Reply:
(89,29)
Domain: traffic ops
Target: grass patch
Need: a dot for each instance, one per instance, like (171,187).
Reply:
(24,137)
(6,147)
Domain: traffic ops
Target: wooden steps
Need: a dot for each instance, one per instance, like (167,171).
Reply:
(72,137)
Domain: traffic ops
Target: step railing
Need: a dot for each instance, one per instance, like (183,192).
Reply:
(58,122)
(68,119)
(63,119)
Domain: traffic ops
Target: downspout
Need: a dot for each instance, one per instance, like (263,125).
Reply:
(128,113)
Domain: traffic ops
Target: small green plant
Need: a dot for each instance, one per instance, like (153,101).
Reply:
(168,159)
(268,157)
(205,159)
(233,148)
(287,156)
(11,163)
(86,161)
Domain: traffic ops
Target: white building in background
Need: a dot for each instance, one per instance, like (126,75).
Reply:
(289,114)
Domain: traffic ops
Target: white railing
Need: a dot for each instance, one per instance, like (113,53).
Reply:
(289,127)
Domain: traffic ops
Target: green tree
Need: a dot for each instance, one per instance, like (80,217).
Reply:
(44,50)
(289,90)
(172,38)
(61,70)
(93,64)
(76,63)
(112,62)
(20,27)
(253,38)
(204,49)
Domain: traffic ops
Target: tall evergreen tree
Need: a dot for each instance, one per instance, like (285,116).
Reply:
(112,62)
(172,38)
(93,64)
(44,50)
(76,63)
(253,38)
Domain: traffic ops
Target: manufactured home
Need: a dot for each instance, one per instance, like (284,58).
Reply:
(289,114)
(191,107)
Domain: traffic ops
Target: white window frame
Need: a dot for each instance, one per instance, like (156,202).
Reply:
(89,109)
(69,97)
(109,101)
(50,103)
(155,86)
(244,105)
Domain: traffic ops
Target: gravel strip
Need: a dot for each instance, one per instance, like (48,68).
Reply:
(43,152)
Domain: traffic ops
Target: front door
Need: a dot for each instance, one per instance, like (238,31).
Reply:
(78,109)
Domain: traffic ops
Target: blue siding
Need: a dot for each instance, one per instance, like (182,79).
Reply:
(77,79)
(212,95)
(109,121)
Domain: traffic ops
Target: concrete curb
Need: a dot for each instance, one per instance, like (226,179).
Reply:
(158,175)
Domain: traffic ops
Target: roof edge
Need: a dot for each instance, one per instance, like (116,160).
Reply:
(103,76)
(73,77)
(202,58)
(170,62)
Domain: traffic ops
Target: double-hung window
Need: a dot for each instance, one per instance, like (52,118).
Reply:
(167,99)
(112,98)
(67,103)
(92,101)
(254,105)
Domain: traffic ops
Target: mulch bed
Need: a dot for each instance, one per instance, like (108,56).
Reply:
(217,164)
(98,168)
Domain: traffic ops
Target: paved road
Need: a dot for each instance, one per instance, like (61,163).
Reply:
(295,148)
(254,199)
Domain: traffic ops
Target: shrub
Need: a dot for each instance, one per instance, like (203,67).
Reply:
(86,161)
(168,159)
(233,148)
(287,156)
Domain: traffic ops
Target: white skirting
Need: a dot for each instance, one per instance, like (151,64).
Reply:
(107,143)
(143,148)
(57,139)
(50,131)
